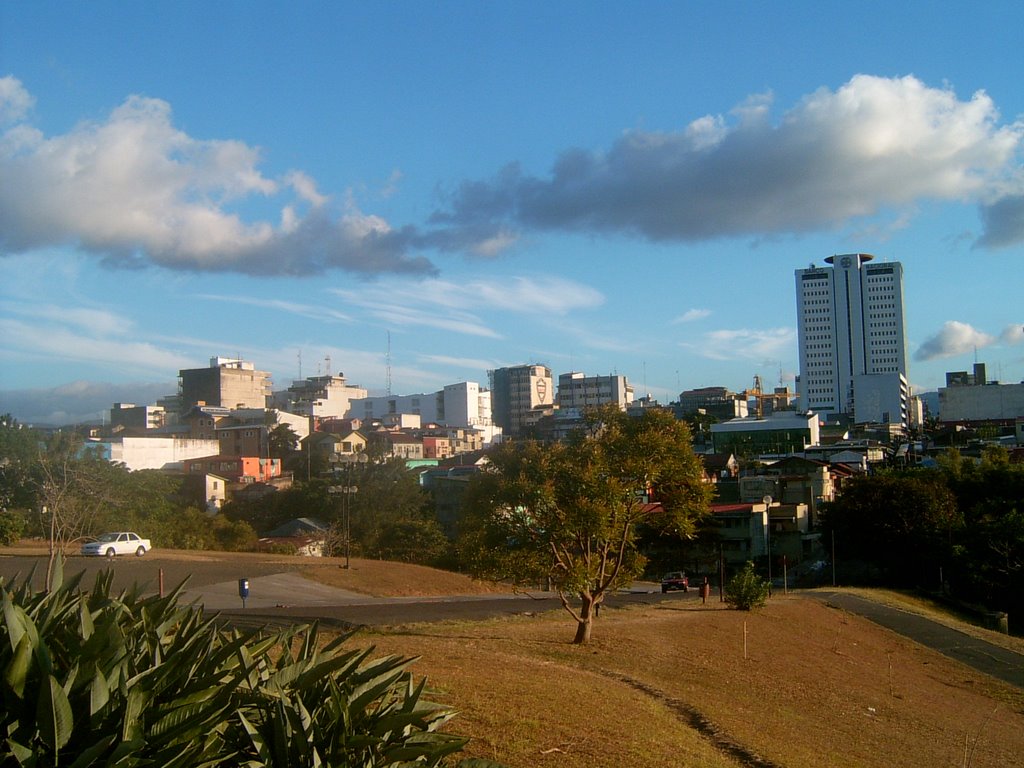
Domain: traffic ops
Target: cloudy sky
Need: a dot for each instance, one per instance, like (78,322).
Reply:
(439,189)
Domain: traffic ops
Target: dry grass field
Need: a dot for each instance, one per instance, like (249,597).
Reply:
(670,686)
(796,684)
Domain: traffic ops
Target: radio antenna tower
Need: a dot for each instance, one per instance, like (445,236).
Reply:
(387,361)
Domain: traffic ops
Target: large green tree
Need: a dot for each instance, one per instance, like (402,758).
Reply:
(990,494)
(567,514)
(283,442)
(387,509)
(906,523)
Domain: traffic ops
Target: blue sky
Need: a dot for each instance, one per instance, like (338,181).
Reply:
(604,187)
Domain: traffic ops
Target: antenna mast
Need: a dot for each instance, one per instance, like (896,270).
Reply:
(387,360)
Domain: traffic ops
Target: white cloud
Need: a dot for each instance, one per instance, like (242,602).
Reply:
(35,341)
(875,145)
(745,344)
(451,306)
(954,338)
(692,315)
(96,321)
(312,311)
(1004,221)
(1013,334)
(135,189)
(15,101)
(305,187)
(79,401)
(459,362)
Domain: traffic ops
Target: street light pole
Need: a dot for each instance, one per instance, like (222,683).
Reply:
(346,500)
(767,501)
(347,506)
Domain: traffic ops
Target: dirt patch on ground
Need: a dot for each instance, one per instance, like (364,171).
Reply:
(797,684)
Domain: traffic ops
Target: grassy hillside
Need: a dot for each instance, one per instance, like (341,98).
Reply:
(679,684)
(670,686)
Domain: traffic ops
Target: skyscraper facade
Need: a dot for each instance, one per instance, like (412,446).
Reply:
(516,392)
(852,340)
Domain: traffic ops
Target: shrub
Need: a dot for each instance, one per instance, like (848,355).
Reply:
(746,590)
(126,679)
(11,528)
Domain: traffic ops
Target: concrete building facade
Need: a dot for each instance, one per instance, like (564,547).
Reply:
(320,396)
(519,396)
(167,453)
(131,416)
(226,382)
(991,402)
(464,405)
(577,390)
(851,332)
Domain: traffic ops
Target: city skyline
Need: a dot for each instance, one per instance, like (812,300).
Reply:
(423,193)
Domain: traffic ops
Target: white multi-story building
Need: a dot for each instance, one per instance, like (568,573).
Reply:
(322,396)
(576,390)
(465,405)
(166,453)
(852,340)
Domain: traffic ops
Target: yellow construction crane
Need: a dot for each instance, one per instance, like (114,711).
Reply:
(779,400)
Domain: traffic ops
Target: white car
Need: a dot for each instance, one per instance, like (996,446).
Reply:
(118,543)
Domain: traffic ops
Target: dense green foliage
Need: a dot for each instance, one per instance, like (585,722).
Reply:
(567,514)
(387,511)
(905,521)
(391,518)
(746,590)
(55,487)
(125,679)
(11,528)
(961,524)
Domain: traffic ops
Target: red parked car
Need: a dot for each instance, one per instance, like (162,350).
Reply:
(675,580)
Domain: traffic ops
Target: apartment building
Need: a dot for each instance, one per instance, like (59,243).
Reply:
(320,396)
(226,382)
(463,405)
(578,391)
(520,395)
(851,332)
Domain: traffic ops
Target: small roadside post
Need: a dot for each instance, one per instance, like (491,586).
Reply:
(243,590)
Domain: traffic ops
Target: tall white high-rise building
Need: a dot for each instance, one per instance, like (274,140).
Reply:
(852,339)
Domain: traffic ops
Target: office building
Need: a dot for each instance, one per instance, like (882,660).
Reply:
(576,390)
(852,340)
(465,405)
(320,396)
(520,396)
(971,399)
(226,383)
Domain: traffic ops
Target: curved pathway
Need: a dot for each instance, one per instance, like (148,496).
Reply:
(983,656)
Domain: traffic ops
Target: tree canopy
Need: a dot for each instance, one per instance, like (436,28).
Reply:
(567,514)
(905,522)
(965,518)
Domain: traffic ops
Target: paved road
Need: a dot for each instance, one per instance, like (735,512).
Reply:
(991,659)
(278,594)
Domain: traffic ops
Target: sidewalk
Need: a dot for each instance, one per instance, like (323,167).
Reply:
(983,656)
